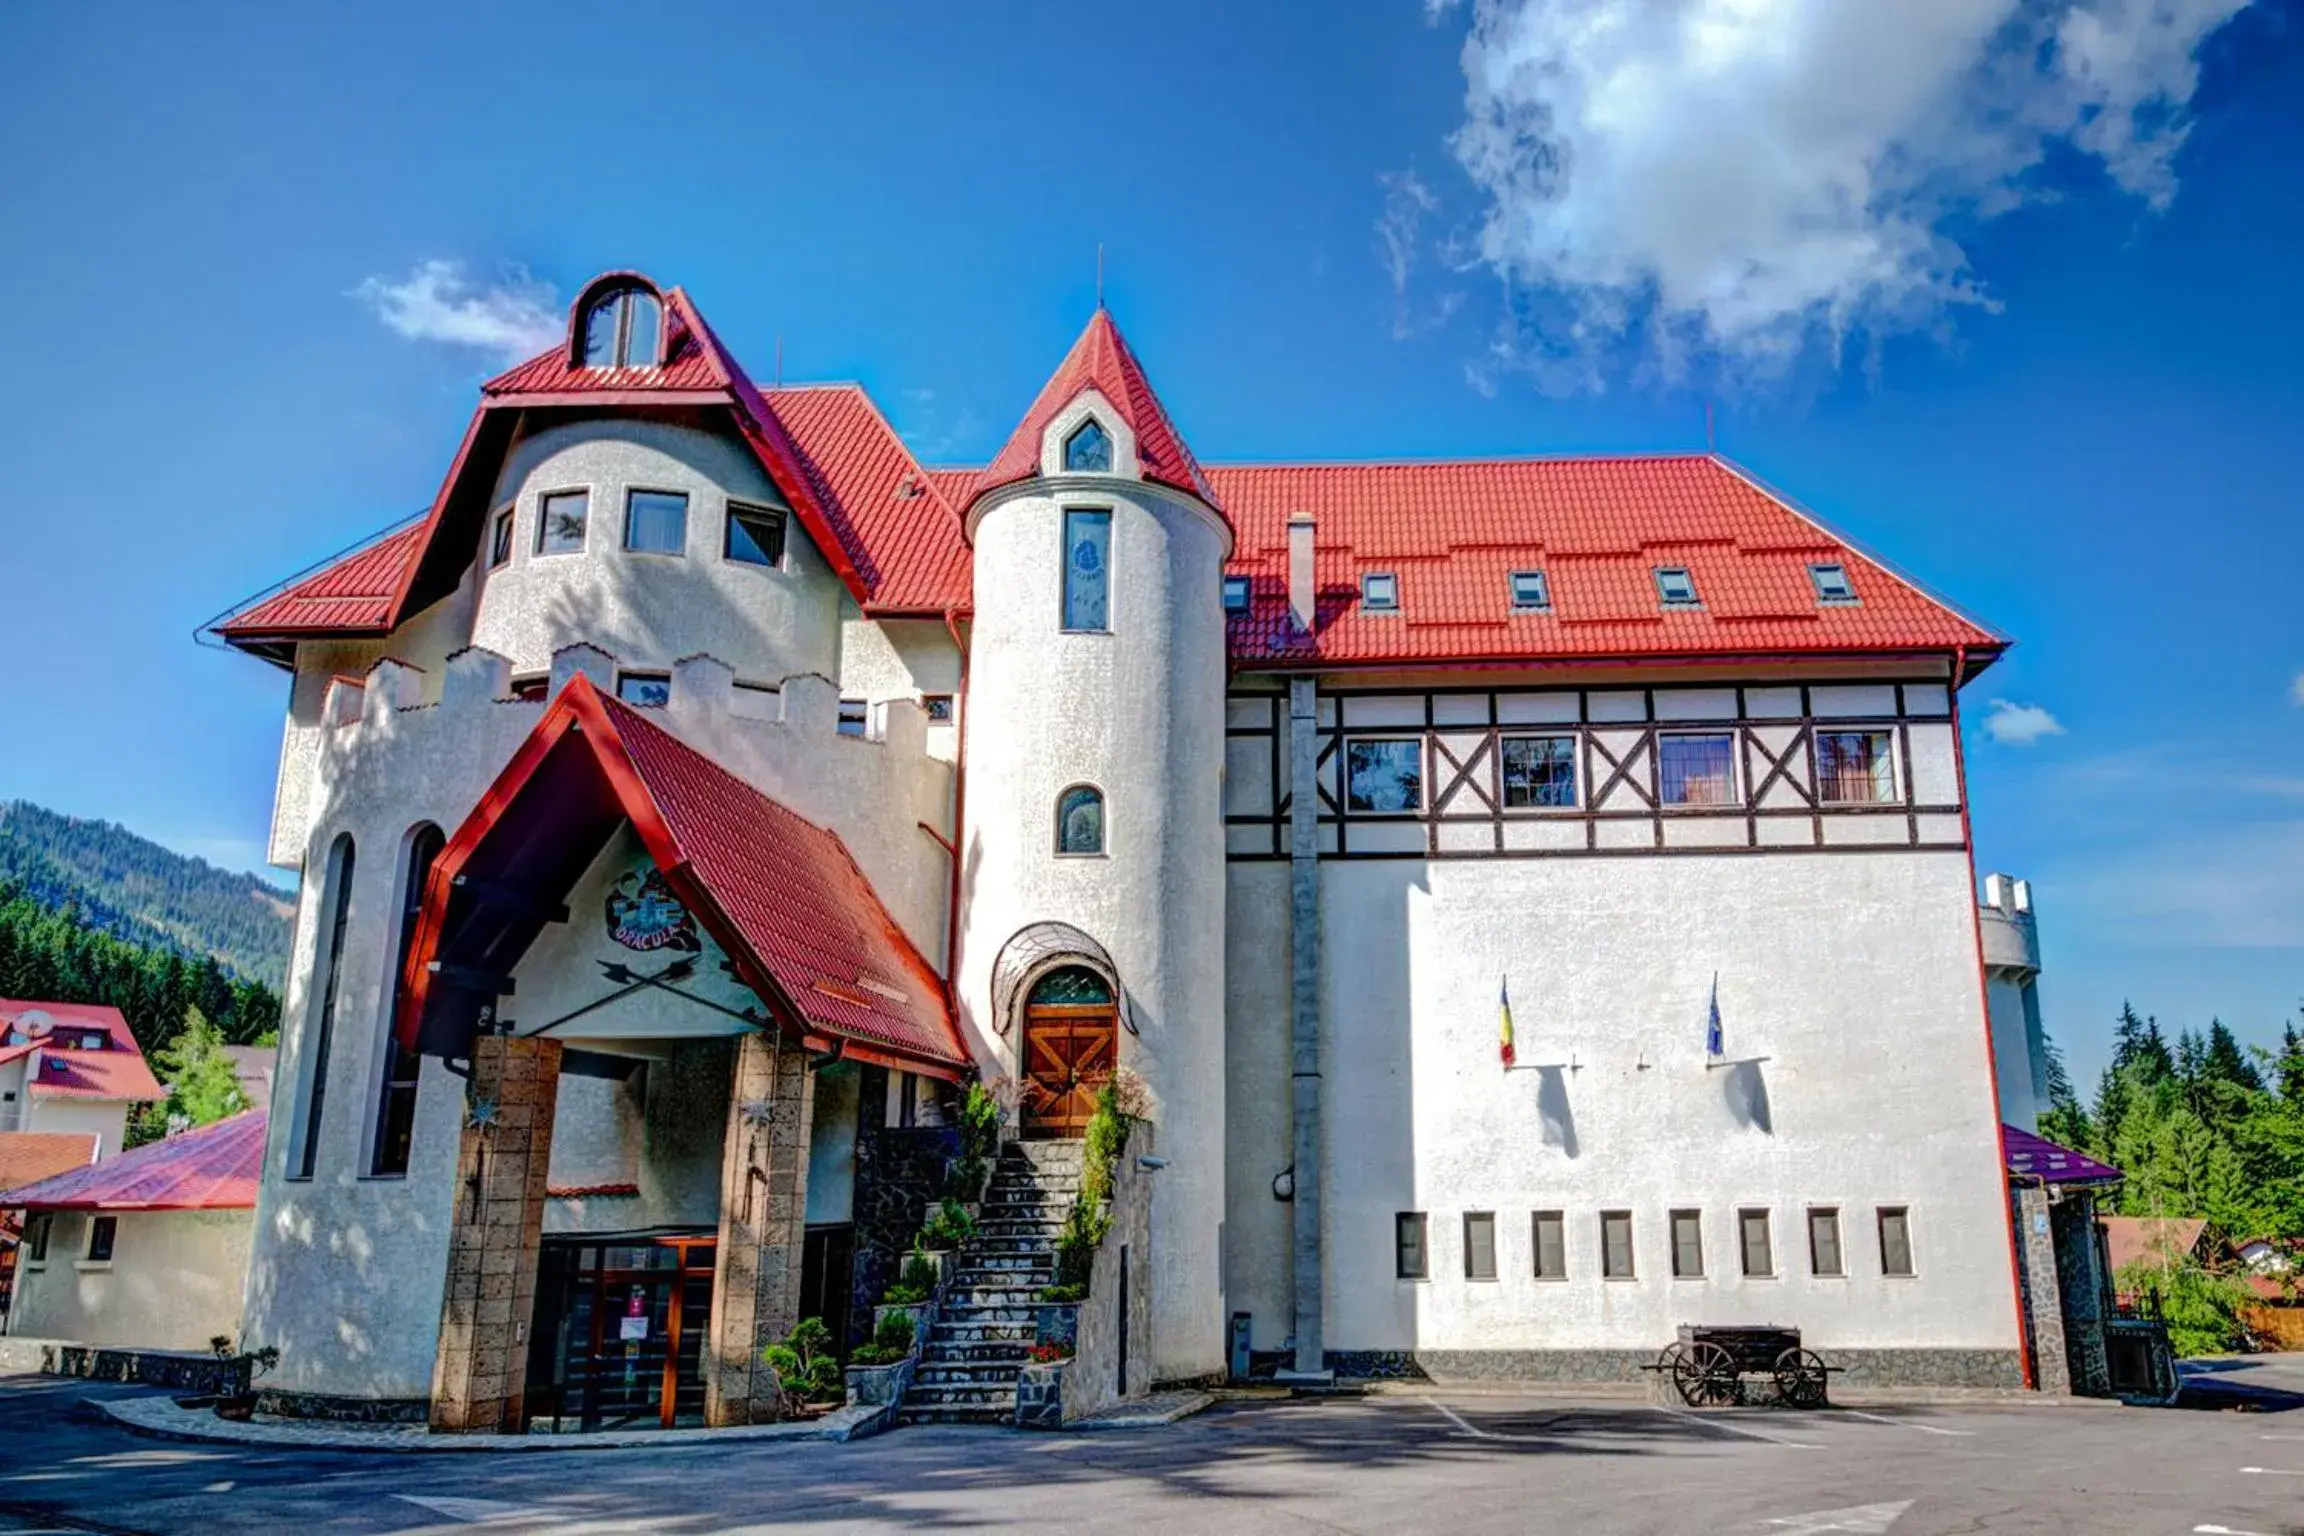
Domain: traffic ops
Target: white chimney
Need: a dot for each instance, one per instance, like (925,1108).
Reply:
(1301,585)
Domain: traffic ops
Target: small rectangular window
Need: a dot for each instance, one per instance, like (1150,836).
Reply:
(1824,1242)
(1895,1240)
(1410,1258)
(532,688)
(656,522)
(500,540)
(1855,767)
(1380,592)
(1384,775)
(1539,772)
(560,522)
(1696,769)
(1676,586)
(937,707)
(1687,1245)
(755,535)
(1616,1245)
(1551,1245)
(1479,1245)
(1752,1237)
(1236,591)
(645,690)
(1832,583)
(102,1232)
(855,716)
(36,1229)
(1087,570)
(1531,590)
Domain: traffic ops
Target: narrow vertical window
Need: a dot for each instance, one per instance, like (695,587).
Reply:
(500,540)
(1824,1242)
(1479,1245)
(36,1229)
(1087,570)
(1080,821)
(103,1232)
(1410,1259)
(1687,1245)
(1895,1240)
(1551,1245)
(1752,1237)
(1616,1245)
(396,1083)
(335,913)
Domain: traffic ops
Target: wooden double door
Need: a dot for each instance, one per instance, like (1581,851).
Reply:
(1070,1050)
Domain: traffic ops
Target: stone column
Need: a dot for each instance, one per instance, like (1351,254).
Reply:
(480,1374)
(2043,1298)
(763,1225)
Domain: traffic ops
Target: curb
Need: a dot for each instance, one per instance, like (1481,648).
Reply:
(160,1418)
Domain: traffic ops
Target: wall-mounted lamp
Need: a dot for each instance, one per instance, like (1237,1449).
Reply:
(1151,1164)
(1284,1183)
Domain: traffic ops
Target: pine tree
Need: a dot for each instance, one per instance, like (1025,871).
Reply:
(202,1087)
(2064,1121)
(2223,1061)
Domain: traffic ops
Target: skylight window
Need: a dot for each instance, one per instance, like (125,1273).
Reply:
(1235,594)
(1380,592)
(1832,583)
(1676,586)
(1088,450)
(1531,590)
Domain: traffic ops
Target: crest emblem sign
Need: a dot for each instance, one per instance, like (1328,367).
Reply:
(643,914)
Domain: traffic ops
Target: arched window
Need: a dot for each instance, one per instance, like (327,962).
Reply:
(1070,986)
(622,328)
(335,910)
(1080,820)
(398,1075)
(1088,451)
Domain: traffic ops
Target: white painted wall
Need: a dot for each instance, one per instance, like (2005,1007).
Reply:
(173,1282)
(104,1119)
(1139,713)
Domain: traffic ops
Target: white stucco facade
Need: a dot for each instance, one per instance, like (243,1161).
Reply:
(173,1281)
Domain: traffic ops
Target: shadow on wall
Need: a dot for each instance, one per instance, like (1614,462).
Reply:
(1744,1089)
(1553,1113)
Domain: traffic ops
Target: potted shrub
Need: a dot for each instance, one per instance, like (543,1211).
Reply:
(979,1145)
(948,1227)
(807,1373)
(875,1366)
(247,1365)
(910,1291)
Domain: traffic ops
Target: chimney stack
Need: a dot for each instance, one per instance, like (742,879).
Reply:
(1301,585)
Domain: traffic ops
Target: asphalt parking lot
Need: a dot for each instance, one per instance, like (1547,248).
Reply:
(1439,1462)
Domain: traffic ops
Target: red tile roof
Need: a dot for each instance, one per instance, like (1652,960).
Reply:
(353,593)
(782,895)
(900,511)
(27,1157)
(216,1167)
(1454,532)
(1100,360)
(118,1071)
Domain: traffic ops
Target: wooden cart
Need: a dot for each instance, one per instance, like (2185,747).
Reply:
(1710,1366)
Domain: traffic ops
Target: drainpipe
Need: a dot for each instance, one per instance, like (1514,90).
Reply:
(1306,1266)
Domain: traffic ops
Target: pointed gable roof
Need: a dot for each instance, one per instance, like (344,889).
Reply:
(1100,360)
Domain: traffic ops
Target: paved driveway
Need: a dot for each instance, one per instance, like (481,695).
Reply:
(1460,1465)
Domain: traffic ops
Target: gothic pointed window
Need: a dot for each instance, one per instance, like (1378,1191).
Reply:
(622,328)
(1080,821)
(1088,451)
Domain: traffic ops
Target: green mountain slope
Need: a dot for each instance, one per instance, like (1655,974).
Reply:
(136,890)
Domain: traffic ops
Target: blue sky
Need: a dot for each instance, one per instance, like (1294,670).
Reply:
(2002,288)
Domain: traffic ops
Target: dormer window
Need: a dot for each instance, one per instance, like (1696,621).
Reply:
(1380,592)
(1530,590)
(1832,583)
(1676,586)
(623,328)
(1088,451)
(1235,594)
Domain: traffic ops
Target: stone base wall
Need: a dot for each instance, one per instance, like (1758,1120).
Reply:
(1040,1396)
(179,1370)
(326,1407)
(1096,1380)
(1991,1368)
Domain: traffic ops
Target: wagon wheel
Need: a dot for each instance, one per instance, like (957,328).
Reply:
(1800,1378)
(1706,1376)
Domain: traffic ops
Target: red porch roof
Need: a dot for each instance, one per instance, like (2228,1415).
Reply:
(781,895)
(216,1167)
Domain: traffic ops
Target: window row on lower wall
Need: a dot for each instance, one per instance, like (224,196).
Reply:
(1606,1244)
(39,1231)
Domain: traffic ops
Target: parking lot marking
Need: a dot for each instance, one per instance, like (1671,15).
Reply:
(2225,1530)
(2270,1472)
(1855,1520)
(471,1511)
(1926,1429)
(1460,1421)
(1736,1429)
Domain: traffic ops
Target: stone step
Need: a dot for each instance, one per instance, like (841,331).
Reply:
(984,1317)
(1041,1230)
(993,1375)
(953,1395)
(994,1293)
(1007,1353)
(967,1336)
(998,1414)
(1004,1243)
(973,1263)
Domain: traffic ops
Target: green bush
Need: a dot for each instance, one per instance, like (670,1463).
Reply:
(951,1227)
(1084,1228)
(891,1341)
(2200,1308)
(979,1141)
(915,1285)
(1062,1293)
(805,1368)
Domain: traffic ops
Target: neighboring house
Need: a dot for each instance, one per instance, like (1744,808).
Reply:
(2267,1255)
(2164,1240)
(703,788)
(26,1157)
(148,1249)
(252,1069)
(71,1067)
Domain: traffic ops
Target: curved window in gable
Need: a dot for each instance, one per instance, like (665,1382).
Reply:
(1088,451)
(1070,986)
(623,328)
(1080,820)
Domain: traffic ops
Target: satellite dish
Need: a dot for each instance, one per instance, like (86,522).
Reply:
(35,1022)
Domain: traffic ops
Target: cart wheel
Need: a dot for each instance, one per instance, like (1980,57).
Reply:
(1706,1376)
(1800,1379)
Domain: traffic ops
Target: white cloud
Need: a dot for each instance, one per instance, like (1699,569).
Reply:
(2020,725)
(2296,689)
(513,318)
(1741,178)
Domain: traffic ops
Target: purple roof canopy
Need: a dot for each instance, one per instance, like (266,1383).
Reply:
(2037,1157)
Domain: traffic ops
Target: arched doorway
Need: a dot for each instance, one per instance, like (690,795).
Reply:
(1071,1045)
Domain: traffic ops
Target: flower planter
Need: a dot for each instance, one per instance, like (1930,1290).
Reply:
(912,1310)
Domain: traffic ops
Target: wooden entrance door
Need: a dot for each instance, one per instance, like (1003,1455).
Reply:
(1069,1053)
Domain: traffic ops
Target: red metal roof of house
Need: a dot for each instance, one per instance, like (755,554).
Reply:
(1100,360)
(2037,1157)
(27,1157)
(782,895)
(2169,1239)
(900,511)
(216,1167)
(117,1071)
(355,592)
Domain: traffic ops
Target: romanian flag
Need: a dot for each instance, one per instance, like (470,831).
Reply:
(1504,1021)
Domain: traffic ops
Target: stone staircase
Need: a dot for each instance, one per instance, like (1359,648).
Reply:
(967,1371)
